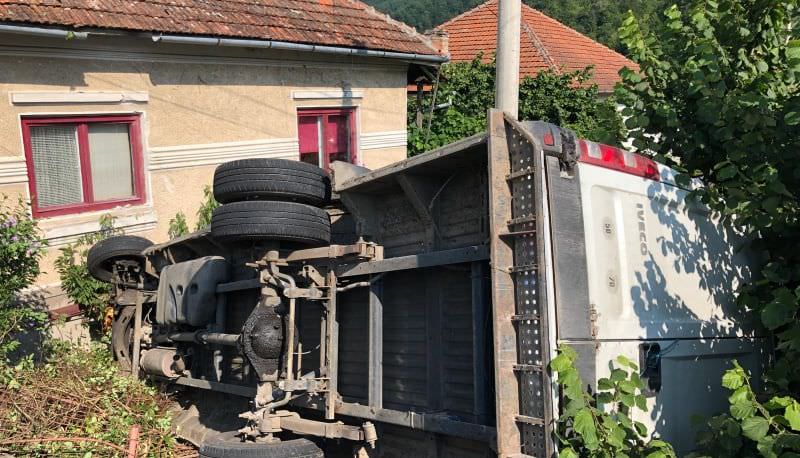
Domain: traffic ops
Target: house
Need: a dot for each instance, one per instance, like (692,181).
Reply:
(125,108)
(544,44)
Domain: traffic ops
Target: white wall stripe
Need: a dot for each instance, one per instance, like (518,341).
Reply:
(170,157)
(51,97)
(13,170)
(72,227)
(389,139)
(330,94)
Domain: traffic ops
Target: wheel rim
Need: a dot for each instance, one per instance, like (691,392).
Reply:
(122,337)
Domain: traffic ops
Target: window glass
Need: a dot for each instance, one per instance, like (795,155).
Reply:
(83,163)
(56,165)
(308,129)
(111,161)
(324,136)
(337,136)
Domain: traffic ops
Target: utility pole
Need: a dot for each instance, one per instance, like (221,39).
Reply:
(507,78)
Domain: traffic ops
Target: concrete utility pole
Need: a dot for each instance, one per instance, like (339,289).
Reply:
(507,79)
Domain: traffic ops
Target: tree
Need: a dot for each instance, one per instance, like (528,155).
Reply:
(458,107)
(717,97)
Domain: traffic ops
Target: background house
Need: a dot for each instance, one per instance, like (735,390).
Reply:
(544,44)
(127,107)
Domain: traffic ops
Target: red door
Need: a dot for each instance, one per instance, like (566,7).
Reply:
(326,135)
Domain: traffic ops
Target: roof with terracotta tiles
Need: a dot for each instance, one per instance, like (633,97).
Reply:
(346,23)
(545,43)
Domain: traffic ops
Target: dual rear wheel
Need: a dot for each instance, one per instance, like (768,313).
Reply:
(271,199)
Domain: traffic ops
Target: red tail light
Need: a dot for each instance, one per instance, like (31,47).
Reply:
(618,159)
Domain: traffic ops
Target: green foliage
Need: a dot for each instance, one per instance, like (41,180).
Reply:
(718,96)
(91,295)
(80,393)
(468,91)
(602,425)
(770,429)
(206,209)
(178,226)
(423,14)
(21,248)
(600,19)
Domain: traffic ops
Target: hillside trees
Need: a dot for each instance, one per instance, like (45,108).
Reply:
(599,19)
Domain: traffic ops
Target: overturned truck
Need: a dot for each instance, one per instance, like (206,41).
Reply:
(413,312)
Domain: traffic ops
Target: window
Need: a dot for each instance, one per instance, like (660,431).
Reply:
(326,135)
(82,164)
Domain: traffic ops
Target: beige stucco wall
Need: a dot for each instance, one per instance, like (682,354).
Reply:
(211,100)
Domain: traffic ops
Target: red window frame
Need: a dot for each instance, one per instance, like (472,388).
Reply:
(350,112)
(82,125)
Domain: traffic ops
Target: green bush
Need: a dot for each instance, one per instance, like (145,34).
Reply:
(466,90)
(21,249)
(89,294)
(601,425)
(770,429)
(206,209)
(717,96)
(178,226)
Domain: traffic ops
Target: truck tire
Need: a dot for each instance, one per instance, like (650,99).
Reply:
(101,257)
(267,220)
(122,337)
(296,448)
(271,179)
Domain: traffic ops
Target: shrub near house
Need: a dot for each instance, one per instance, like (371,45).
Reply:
(21,248)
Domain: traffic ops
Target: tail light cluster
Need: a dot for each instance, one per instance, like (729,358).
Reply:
(618,159)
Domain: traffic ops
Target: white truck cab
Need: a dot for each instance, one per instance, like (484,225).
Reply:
(644,271)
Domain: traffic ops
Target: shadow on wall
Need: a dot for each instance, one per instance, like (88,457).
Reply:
(696,333)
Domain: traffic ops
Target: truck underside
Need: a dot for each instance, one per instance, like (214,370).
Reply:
(424,328)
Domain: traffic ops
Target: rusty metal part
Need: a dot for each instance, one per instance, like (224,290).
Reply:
(284,420)
(228,388)
(137,333)
(332,349)
(311,385)
(304,293)
(313,275)
(206,338)
(434,423)
(359,250)
(359,284)
(165,362)
(262,338)
(415,261)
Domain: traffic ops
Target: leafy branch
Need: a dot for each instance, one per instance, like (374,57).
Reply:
(602,425)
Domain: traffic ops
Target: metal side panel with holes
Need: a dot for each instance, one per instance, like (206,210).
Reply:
(521,341)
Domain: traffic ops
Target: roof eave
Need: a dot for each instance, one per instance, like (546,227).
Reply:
(66,33)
